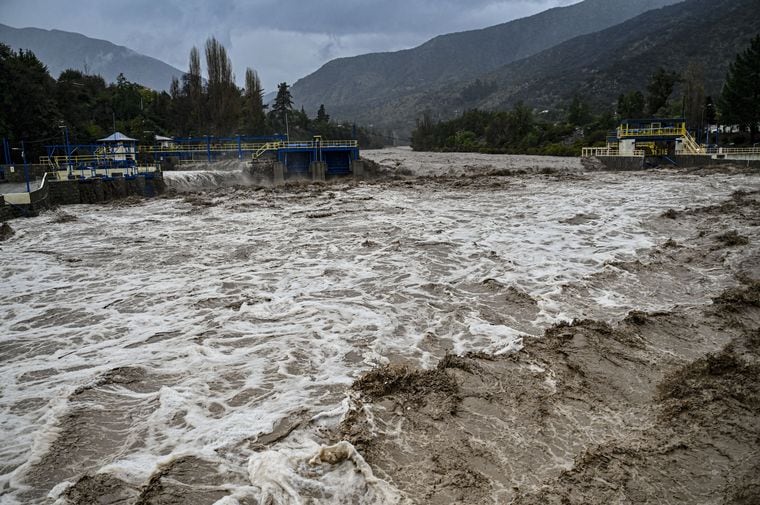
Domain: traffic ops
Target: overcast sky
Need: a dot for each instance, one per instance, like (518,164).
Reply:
(282,39)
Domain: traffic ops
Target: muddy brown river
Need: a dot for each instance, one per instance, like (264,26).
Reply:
(201,347)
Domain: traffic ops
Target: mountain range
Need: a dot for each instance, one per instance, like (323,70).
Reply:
(61,50)
(595,49)
(597,66)
(352,88)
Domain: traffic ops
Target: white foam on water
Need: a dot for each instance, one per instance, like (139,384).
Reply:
(241,317)
(199,180)
(294,475)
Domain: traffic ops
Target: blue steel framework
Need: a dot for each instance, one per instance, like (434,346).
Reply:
(90,159)
(298,156)
(210,148)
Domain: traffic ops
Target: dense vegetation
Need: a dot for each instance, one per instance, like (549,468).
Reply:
(39,109)
(597,66)
(740,100)
(520,130)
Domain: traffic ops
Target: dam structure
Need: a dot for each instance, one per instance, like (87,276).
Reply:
(638,143)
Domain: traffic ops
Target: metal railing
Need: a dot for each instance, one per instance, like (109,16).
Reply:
(733,150)
(589,152)
(225,147)
(678,131)
(691,145)
(256,147)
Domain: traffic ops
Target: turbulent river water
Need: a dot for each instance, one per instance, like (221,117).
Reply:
(193,327)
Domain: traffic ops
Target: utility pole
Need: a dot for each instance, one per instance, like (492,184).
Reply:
(26,167)
(68,149)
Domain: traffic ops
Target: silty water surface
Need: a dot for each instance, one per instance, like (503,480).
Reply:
(137,335)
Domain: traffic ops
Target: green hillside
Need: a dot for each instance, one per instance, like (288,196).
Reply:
(348,86)
(597,66)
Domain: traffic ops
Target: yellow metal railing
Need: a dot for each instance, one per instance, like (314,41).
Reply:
(266,147)
(257,148)
(624,131)
(232,146)
(691,145)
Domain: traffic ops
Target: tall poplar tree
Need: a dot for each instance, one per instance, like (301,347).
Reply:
(740,100)
(223,94)
(254,119)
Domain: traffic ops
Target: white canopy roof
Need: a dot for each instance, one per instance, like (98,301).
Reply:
(117,137)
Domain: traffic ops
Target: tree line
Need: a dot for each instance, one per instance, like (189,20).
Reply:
(522,130)
(40,110)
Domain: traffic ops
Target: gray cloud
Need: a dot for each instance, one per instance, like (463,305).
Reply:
(282,39)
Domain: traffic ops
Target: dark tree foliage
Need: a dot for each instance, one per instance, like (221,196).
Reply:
(694,95)
(282,115)
(740,98)
(223,95)
(283,101)
(195,97)
(254,119)
(710,113)
(579,112)
(38,109)
(513,131)
(631,105)
(478,90)
(659,89)
(322,115)
(85,102)
(27,99)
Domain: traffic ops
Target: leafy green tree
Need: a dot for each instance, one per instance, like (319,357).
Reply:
(521,119)
(659,89)
(194,111)
(578,113)
(83,101)
(740,99)
(631,105)
(28,110)
(497,132)
(223,94)
(283,101)
(126,99)
(254,118)
(422,136)
(322,115)
(694,95)
(282,107)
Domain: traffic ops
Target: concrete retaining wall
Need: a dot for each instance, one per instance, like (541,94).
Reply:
(103,190)
(687,161)
(78,191)
(6,211)
(622,162)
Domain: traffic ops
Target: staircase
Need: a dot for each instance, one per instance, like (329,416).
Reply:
(691,146)
(266,147)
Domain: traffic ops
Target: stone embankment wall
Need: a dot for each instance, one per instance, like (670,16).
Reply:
(76,191)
